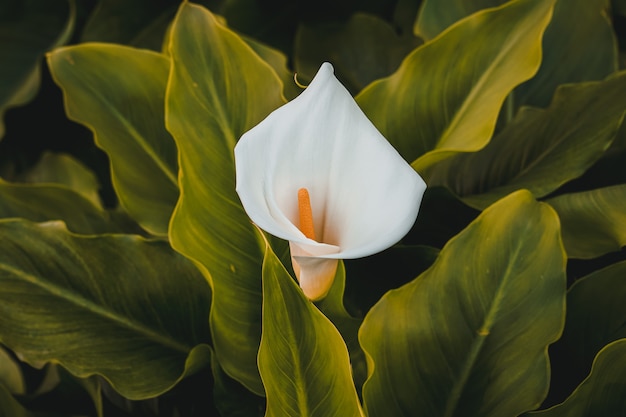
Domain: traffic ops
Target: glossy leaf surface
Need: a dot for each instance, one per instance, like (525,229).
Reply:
(119,306)
(123,105)
(44,202)
(594,222)
(596,314)
(218,89)
(540,150)
(446,95)
(602,393)
(455,334)
(303,360)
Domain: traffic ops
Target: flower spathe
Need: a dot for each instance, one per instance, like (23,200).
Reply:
(362,195)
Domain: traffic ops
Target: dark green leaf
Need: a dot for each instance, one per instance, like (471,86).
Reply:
(361,50)
(119,306)
(593,222)
(28,28)
(541,149)
(602,393)
(43,202)
(469,336)
(118,92)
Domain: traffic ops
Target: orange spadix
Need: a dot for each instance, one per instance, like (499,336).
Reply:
(306,213)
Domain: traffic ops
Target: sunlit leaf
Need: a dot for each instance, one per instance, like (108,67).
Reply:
(129,309)
(118,92)
(361,50)
(593,222)
(303,360)
(602,393)
(332,306)
(587,53)
(469,336)
(446,95)
(540,149)
(28,28)
(218,89)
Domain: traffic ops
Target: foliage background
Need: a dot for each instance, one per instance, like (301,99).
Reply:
(352,35)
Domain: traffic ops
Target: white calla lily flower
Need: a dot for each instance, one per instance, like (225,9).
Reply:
(316,172)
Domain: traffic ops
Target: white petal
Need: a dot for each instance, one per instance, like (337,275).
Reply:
(364,196)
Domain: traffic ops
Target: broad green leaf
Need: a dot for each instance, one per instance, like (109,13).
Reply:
(9,406)
(596,315)
(469,336)
(361,50)
(602,393)
(446,95)
(332,306)
(141,23)
(28,28)
(61,168)
(118,92)
(278,61)
(10,374)
(303,360)
(218,89)
(593,222)
(540,150)
(44,202)
(589,52)
(128,309)
(437,15)
(579,45)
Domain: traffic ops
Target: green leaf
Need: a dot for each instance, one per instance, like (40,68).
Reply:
(61,168)
(469,336)
(361,50)
(278,61)
(303,360)
(596,316)
(437,15)
(10,374)
(332,306)
(141,23)
(585,54)
(231,398)
(540,150)
(446,95)
(44,202)
(593,222)
(579,45)
(9,406)
(602,393)
(120,306)
(28,28)
(218,89)
(118,92)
